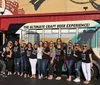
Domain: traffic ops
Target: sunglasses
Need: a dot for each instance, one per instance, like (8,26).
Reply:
(84,46)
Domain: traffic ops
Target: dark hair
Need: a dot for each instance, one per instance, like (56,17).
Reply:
(47,43)
(41,42)
(17,42)
(29,43)
(58,39)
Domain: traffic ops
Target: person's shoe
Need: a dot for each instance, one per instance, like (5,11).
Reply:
(77,80)
(4,75)
(18,73)
(58,78)
(21,74)
(25,76)
(31,77)
(14,73)
(28,75)
(69,79)
(8,73)
(34,76)
(50,78)
(86,82)
(1,74)
(39,77)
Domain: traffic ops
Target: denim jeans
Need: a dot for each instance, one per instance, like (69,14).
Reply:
(77,68)
(3,66)
(44,67)
(17,64)
(69,66)
(39,62)
(22,63)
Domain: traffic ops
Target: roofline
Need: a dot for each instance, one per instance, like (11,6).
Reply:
(52,14)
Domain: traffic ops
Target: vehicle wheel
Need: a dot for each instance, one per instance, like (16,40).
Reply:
(94,72)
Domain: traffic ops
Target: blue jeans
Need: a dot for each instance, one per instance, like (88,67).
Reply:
(44,67)
(17,64)
(39,62)
(77,68)
(69,66)
(22,63)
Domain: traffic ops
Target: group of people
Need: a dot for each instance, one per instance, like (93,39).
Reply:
(41,60)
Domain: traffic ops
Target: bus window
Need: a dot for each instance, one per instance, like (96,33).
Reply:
(96,43)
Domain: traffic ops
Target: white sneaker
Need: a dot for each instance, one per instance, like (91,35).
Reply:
(39,77)
(58,78)
(77,80)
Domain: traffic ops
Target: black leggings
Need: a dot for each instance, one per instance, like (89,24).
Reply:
(27,67)
(51,68)
(59,64)
(10,64)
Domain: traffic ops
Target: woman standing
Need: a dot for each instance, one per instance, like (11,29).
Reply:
(52,57)
(39,59)
(45,59)
(10,45)
(16,53)
(33,60)
(86,63)
(7,54)
(28,55)
(59,60)
(77,59)
(22,57)
(69,60)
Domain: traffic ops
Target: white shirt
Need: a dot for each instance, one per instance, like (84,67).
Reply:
(39,53)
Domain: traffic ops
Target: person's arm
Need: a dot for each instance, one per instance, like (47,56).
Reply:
(10,54)
(2,54)
(47,53)
(53,56)
(90,56)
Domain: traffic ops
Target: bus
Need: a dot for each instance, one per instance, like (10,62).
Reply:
(81,31)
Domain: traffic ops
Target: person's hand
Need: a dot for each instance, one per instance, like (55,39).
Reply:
(42,51)
(91,64)
(64,51)
(2,55)
(75,55)
(8,56)
(51,61)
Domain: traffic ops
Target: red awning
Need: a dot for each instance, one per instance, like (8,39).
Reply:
(5,20)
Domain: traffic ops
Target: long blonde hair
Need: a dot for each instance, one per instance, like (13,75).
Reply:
(10,44)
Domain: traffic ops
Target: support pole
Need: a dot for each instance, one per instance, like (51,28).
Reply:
(4,38)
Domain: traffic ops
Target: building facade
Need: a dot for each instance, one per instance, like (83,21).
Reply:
(47,6)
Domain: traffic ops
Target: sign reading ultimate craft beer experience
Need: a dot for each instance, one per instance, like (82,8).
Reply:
(62,24)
